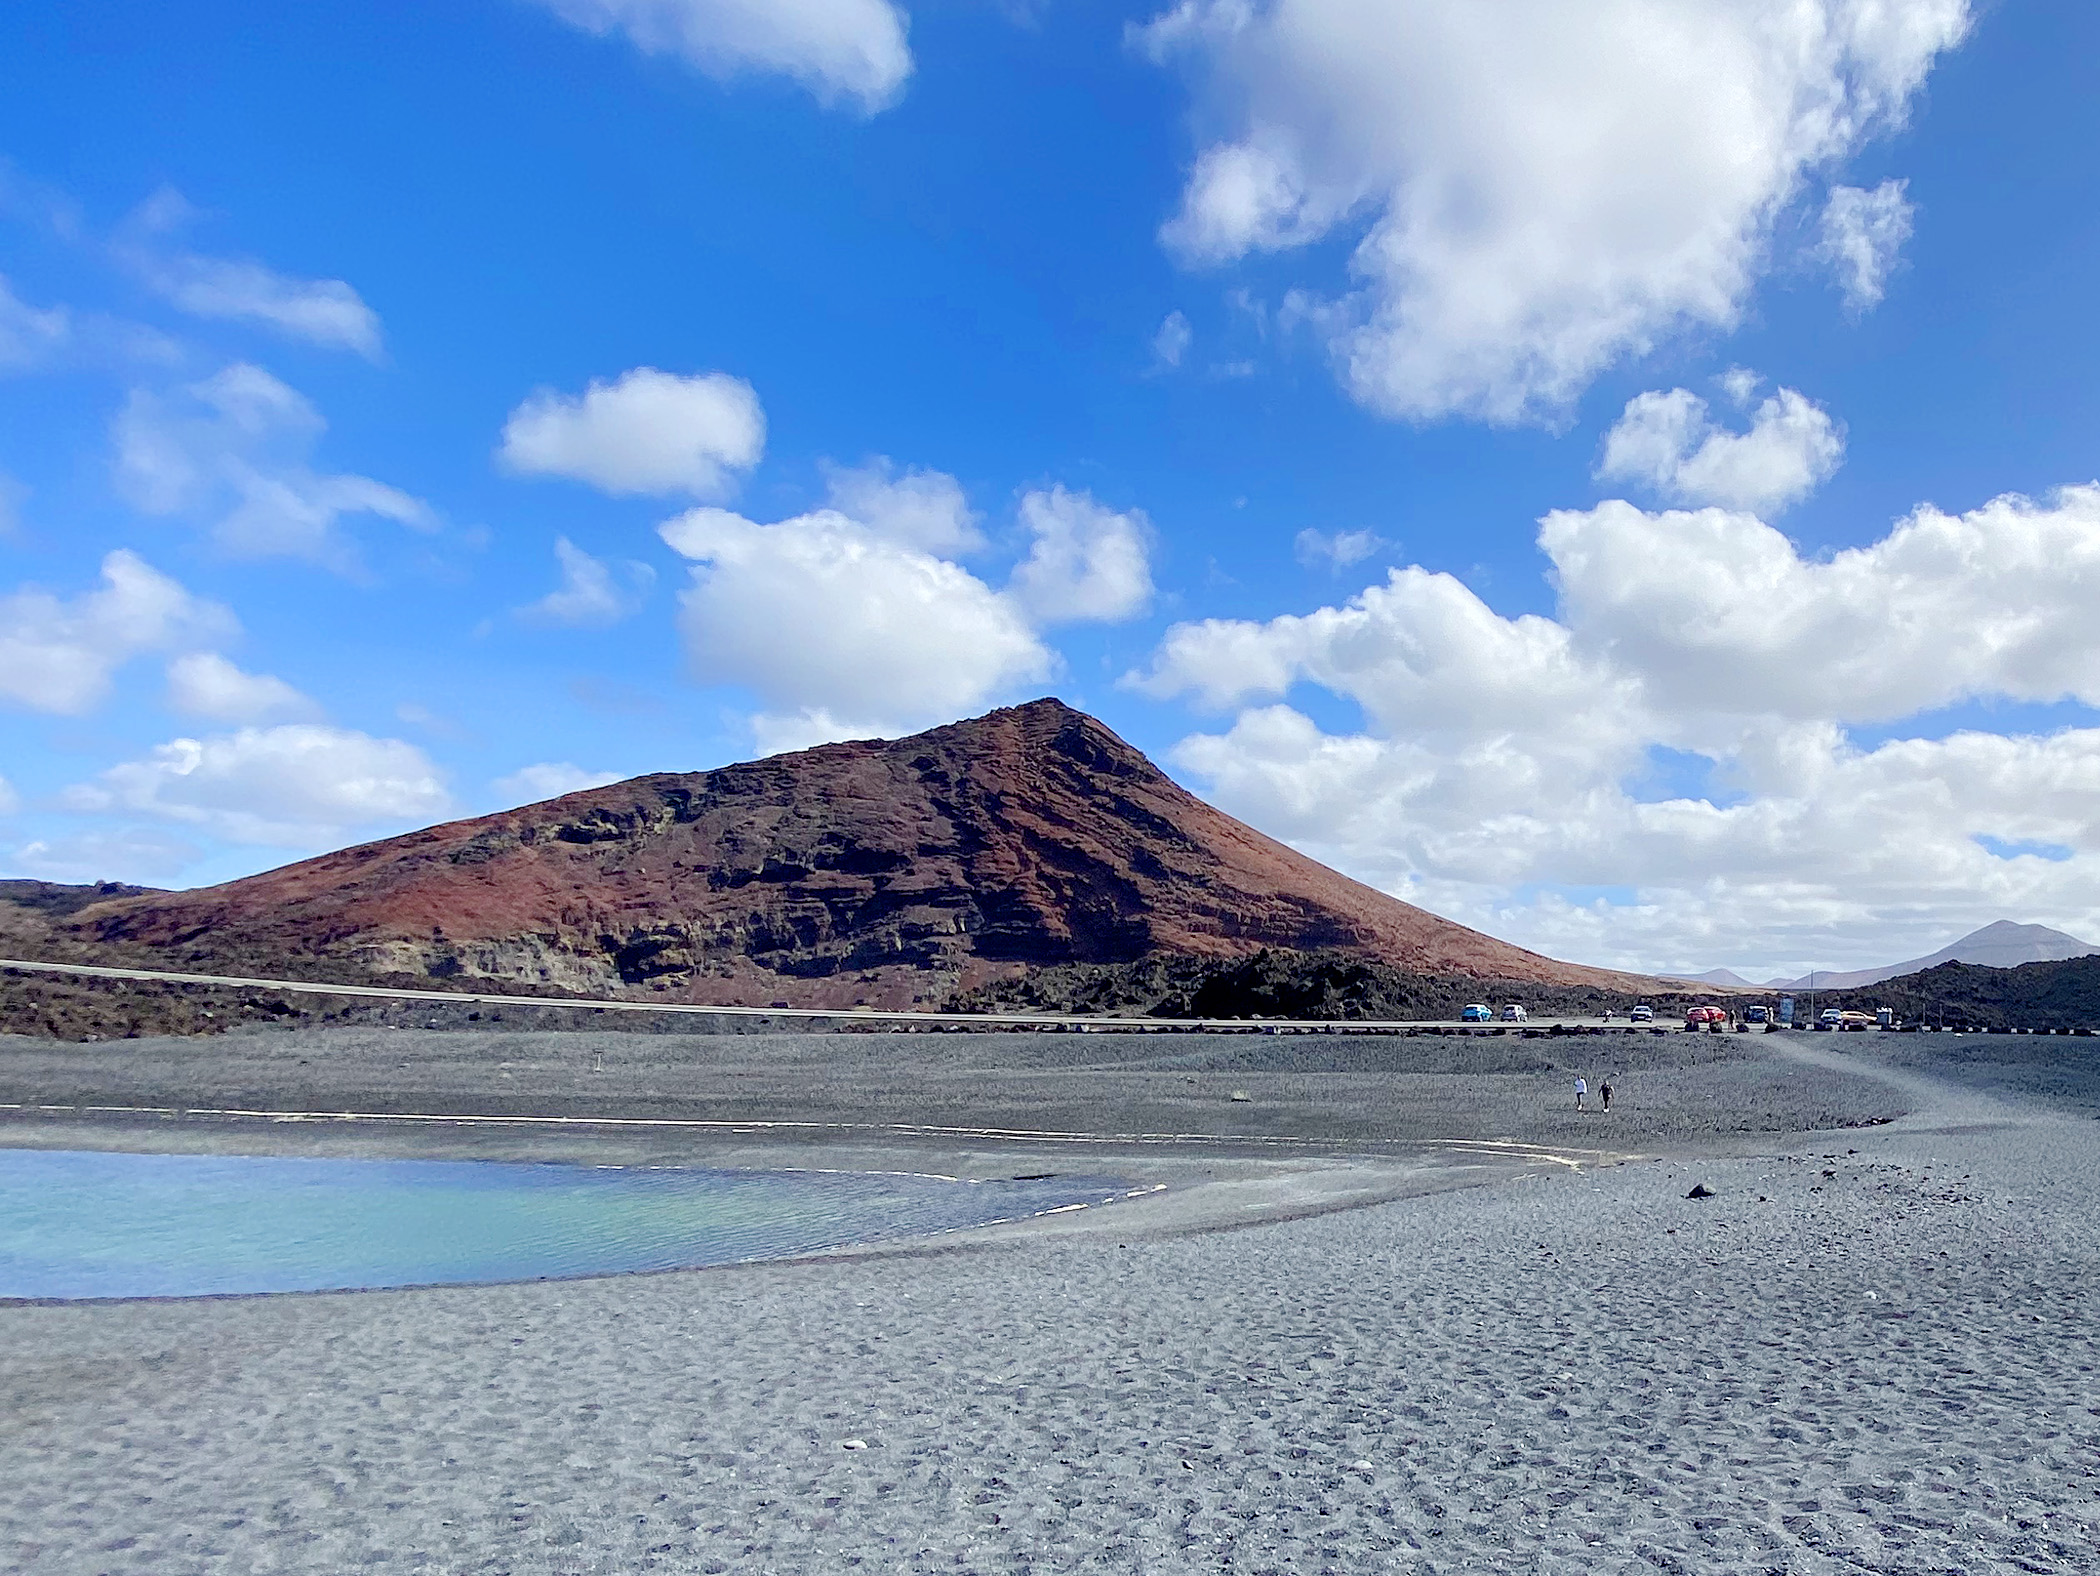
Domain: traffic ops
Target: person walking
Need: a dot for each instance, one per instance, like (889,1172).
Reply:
(1582,1092)
(1604,1093)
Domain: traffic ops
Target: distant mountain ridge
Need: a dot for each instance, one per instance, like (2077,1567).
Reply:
(2002,944)
(886,873)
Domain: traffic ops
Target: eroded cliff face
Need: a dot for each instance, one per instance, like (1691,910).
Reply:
(878,872)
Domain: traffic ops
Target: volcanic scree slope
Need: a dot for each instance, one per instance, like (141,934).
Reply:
(879,872)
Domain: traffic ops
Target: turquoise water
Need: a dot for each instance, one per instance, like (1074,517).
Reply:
(88,1224)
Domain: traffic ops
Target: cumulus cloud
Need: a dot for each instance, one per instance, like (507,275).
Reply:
(298,785)
(59,654)
(1536,189)
(917,508)
(1670,444)
(142,855)
(1854,857)
(1171,343)
(856,620)
(646,432)
(235,451)
(1421,653)
(1687,618)
(1863,233)
(30,337)
(1085,561)
(1719,613)
(548,780)
(842,50)
(780,733)
(205,684)
(840,630)
(1335,550)
(592,592)
(1505,755)
(324,312)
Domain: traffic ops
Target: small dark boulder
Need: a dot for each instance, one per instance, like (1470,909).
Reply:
(1700,1190)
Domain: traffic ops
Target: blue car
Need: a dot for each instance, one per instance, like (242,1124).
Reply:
(1479,1012)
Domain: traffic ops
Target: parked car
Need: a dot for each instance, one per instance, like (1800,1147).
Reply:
(1514,1013)
(1759,1014)
(1642,1014)
(1830,1018)
(1697,1017)
(1477,1012)
(1856,1020)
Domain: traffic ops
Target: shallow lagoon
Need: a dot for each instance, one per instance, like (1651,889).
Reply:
(89,1224)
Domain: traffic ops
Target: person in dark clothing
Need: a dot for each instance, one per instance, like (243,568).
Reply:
(1604,1092)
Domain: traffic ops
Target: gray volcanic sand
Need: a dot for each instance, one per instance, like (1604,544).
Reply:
(1872,1351)
(1333,1089)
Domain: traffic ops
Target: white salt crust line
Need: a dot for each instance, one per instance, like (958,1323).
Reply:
(827,1014)
(1497,1148)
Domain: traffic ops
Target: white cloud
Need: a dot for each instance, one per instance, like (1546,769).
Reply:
(234,450)
(921,508)
(1718,613)
(837,627)
(1086,562)
(1690,619)
(1334,550)
(59,655)
(299,785)
(1542,188)
(205,684)
(1863,233)
(1423,656)
(1857,857)
(851,50)
(1505,766)
(140,855)
(779,733)
(854,621)
(30,337)
(1171,343)
(645,432)
(1670,444)
(592,593)
(548,780)
(323,312)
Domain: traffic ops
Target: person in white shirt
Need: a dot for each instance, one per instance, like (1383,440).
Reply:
(1582,1092)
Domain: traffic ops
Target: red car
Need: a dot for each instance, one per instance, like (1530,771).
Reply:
(1698,1015)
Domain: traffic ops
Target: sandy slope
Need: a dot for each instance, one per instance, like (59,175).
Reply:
(1871,1352)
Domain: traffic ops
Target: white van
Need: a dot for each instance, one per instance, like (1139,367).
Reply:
(1515,1013)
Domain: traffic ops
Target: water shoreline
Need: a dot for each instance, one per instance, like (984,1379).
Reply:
(1868,1348)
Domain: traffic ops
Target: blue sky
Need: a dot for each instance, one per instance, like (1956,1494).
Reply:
(1214,368)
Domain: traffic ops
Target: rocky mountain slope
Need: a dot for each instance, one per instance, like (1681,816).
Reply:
(2000,945)
(885,873)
